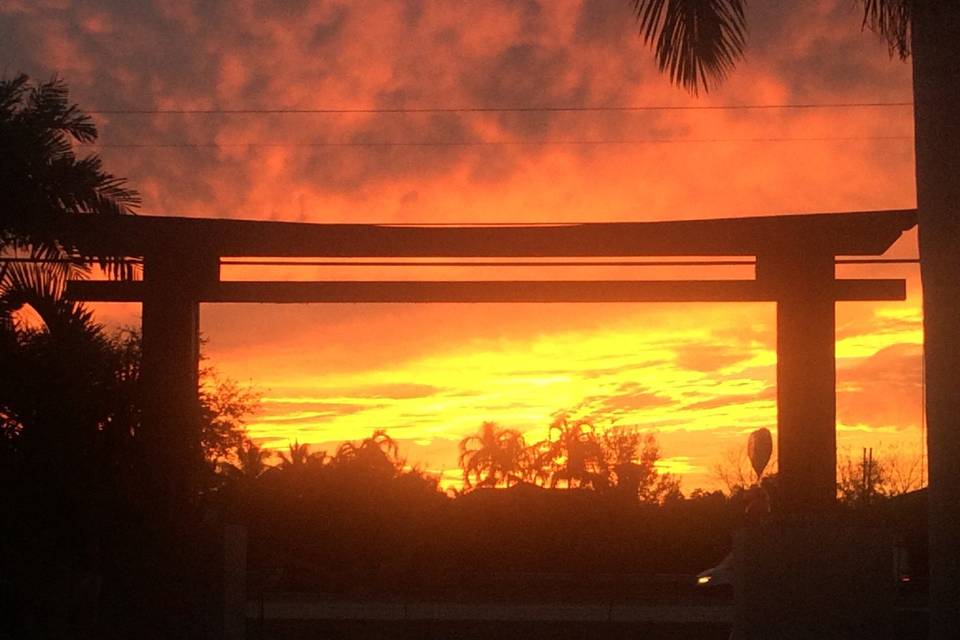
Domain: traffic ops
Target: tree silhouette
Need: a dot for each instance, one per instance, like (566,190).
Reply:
(697,44)
(71,467)
(42,181)
(493,457)
(632,456)
(862,480)
(250,462)
(733,470)
(376,455)
(57,384)
(299,456)
(225,407)
(572,454)
(66,442)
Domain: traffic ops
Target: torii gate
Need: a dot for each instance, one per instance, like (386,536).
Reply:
(795,258)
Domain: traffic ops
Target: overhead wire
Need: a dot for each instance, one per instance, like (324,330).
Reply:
(490,109)
(467,263)
(495,109)
(480,143)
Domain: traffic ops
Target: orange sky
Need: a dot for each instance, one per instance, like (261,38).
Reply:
(700,375)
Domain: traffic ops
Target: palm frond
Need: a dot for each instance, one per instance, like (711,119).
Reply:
(492,456)
(891,19)
(298,455)
(49,107)
(12,93)
(41,178)
(34,285)
(696,42)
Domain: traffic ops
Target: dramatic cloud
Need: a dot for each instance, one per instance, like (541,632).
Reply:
(882,390)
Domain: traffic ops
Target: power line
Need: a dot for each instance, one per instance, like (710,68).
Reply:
(541,263)
(464,263)
(479,143)
(511,109)
(879,261)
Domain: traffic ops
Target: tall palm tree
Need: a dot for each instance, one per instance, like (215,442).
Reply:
(43,182)
(492,457)
(698,43)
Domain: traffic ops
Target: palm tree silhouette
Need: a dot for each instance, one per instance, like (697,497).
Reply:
(299,456)
(492,457)
(251,462)
(377,454)
(40,288)
(699,42)
(43,182)
(57,385)
(572,454)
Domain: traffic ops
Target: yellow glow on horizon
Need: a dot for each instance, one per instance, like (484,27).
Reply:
(668,376)
(678,465)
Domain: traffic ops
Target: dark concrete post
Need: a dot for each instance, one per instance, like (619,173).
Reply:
(806,375)
(169,371)
(936,98)
(234,582)
(172,580)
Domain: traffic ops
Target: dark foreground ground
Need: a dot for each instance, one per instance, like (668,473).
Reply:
(907,629)
(379,630)
(295,618)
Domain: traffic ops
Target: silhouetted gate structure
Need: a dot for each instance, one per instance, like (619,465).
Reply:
(795,268)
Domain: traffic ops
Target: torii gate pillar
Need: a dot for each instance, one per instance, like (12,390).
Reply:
(170,368)
(806,375)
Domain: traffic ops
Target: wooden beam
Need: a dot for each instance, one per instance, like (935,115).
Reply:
(856,233)
(491,291)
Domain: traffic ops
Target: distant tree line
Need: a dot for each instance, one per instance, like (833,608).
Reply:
(575,454)
(362,521)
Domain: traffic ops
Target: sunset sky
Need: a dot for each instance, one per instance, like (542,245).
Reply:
(700,376)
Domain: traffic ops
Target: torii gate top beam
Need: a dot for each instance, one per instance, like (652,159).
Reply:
(858,233)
